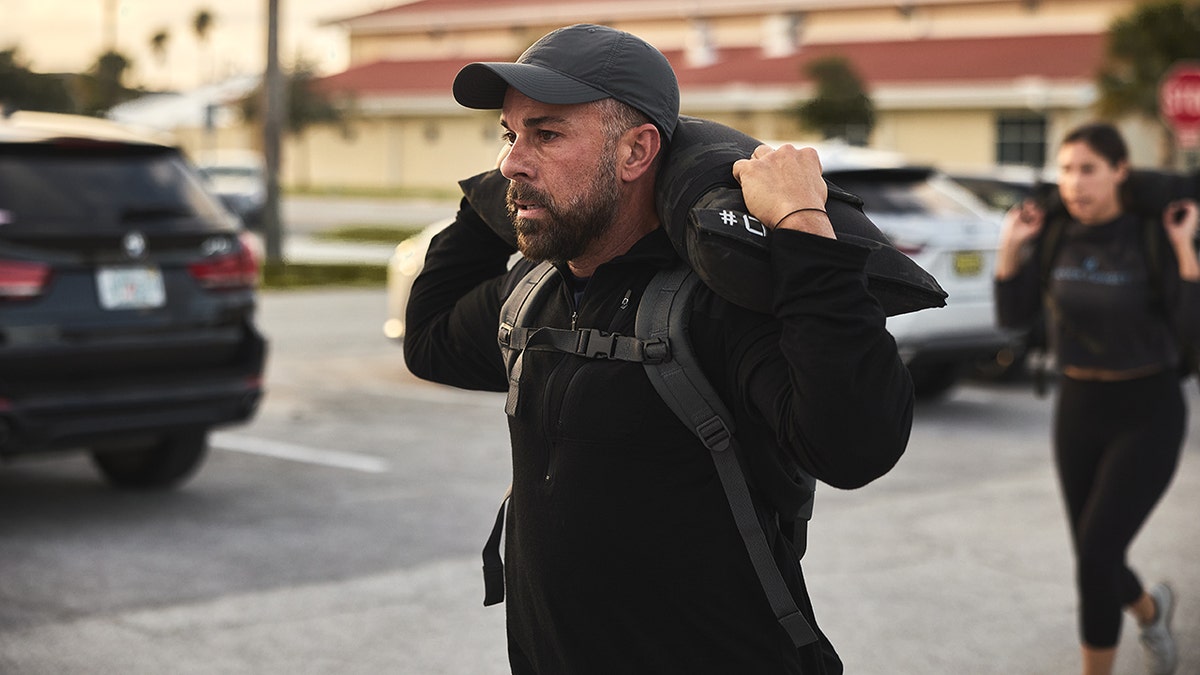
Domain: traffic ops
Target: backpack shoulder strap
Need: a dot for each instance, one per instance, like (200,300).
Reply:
(1154,241)
(662,315)
(1049,243)
(1048,247)
(528,295)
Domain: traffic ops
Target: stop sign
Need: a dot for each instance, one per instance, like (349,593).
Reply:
(1179,102)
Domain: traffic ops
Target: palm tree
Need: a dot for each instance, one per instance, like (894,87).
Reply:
(158,46)
(110,25)
(202,24)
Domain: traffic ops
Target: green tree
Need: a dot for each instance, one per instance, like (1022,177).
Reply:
(102,86)
(1140,48)
(22,88)
(305,104)
(840,106)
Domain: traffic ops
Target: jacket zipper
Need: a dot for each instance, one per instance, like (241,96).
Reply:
(547,474)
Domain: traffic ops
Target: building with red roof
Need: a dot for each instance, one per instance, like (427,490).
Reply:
(959,83)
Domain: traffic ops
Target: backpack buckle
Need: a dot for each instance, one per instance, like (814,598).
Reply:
(596,344)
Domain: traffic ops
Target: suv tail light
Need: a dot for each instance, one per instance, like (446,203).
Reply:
(908,248)
(20,280)
(229,271)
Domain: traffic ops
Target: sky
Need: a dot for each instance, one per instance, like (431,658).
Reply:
(68,35)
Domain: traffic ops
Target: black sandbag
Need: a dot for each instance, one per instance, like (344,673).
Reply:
(700,204)
(697,177)
(1146,192)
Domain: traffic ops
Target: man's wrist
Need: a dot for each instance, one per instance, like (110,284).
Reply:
(810,219)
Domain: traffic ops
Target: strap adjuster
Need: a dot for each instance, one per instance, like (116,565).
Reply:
(657,350)
(714,434)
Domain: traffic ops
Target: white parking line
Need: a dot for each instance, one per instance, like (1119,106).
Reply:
(299,453)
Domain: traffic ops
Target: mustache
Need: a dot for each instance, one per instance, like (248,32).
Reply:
(523,192)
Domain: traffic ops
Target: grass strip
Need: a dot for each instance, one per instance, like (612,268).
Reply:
(292,275)
(368,233)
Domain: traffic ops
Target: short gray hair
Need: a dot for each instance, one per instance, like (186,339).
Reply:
(619,117)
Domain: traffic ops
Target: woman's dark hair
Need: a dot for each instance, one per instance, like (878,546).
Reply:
(1104,140)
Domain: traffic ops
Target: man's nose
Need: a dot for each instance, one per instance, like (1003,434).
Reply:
(515,164)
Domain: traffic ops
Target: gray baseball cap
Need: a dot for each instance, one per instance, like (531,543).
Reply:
(579,64)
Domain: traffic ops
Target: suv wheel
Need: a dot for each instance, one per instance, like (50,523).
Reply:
(163,463)
(1008,364)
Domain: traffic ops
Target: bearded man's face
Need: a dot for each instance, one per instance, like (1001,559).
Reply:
(569,221)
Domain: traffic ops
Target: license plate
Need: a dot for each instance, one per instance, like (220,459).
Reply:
(968,263)
(130,287)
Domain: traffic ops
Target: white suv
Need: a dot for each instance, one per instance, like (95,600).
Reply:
(952,235)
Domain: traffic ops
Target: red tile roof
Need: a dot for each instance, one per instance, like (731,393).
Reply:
(443,5)
(973,61)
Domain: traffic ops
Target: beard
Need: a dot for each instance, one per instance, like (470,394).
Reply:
(568,228)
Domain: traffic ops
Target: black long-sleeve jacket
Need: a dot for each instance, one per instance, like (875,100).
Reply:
(621,553)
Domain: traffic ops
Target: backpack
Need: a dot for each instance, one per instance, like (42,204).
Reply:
(1153,243)
(661,345)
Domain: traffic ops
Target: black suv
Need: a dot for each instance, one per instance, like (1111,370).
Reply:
(127,297)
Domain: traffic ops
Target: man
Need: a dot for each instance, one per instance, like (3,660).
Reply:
(621,553)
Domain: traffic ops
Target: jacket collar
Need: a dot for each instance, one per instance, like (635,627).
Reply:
(654,249)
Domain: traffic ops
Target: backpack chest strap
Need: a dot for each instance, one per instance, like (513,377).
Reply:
(590,343)
(516,336)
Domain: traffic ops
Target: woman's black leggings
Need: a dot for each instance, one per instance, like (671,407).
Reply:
(1116,448)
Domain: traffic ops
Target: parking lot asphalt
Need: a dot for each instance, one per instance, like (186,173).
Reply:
(994,566)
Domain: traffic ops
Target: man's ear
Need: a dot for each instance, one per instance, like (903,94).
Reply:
(641,145)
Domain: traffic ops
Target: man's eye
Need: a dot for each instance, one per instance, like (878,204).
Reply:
(508,137)
(547,135)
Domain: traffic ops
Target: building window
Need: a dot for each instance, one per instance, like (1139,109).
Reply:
(782,34)
(699,48)
(1021,139)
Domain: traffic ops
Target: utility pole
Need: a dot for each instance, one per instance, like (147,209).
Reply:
(272,130)
(110,25)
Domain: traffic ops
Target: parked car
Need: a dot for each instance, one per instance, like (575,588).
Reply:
(127,299)
(942,226)
(239,179)
(952,235)
(1002,187)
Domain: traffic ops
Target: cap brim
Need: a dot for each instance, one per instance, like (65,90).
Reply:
(483,85)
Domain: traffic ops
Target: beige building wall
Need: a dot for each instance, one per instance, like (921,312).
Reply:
(953,138)
(197,142)
(419,153)
(395,146)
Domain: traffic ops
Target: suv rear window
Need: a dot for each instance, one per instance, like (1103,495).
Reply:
(900,192)
(99,187)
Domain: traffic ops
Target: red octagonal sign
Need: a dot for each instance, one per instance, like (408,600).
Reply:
(1179,102)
